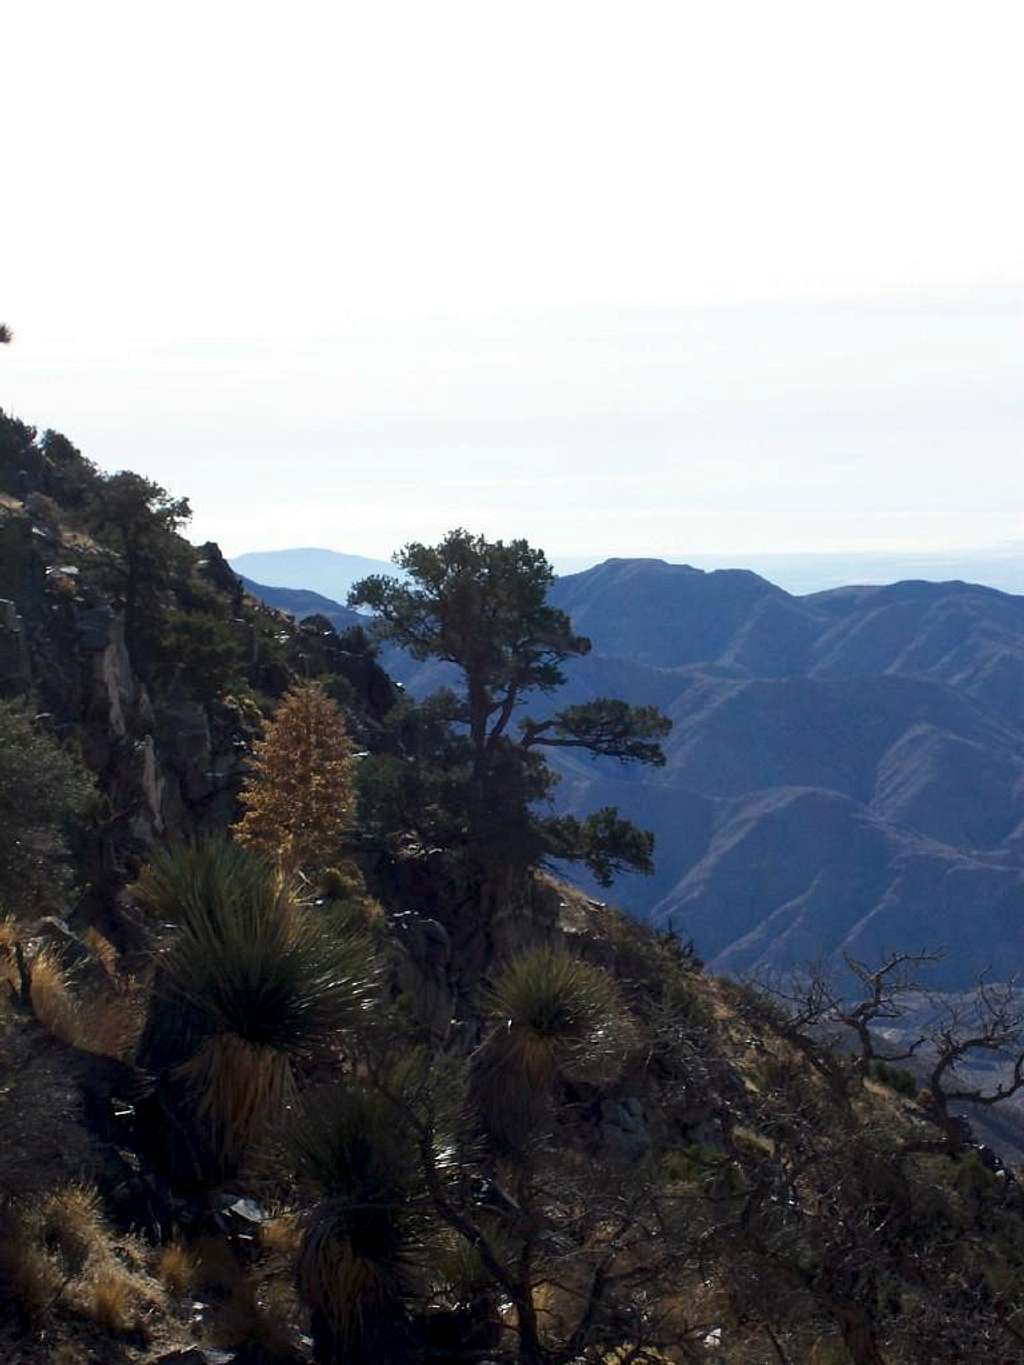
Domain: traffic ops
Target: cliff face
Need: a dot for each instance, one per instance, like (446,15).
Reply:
(165,762)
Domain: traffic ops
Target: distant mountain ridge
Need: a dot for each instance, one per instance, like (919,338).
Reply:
(327,572)
(300,603)
(846,770)
(798,573)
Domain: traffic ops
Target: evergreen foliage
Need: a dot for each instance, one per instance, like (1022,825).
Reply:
(248,985)
(139,521)
(43,787)
(481,605)
(594,1153)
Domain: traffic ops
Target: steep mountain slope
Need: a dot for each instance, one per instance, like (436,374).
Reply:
(300,603)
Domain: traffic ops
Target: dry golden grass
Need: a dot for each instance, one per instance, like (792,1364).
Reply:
(29,1278)
(52,1001)
(110,1024)
(236,1085)
(282,1235)
(103,951)
(60,1261)
(8,936)
(72,1226)
(116,1296)
(257,1314)
(111,1302)
(176,1267)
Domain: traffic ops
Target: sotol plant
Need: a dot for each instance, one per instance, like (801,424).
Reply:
(555,1017)
(363,1242)
(247,985)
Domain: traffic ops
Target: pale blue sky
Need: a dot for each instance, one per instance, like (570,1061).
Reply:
(658,278)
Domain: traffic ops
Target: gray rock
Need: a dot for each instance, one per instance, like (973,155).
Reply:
(15,668)
(96,629)
(623,1129)
(196,1355)
(423,971)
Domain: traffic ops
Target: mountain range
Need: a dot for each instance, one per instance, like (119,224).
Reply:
(845,770)
(799,572)
(327,572)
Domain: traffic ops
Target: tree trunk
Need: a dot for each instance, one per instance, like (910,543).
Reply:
(859,1338)
(531,1352)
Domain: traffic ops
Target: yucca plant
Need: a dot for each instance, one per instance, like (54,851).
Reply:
(363,1248)
(196,885)
(555,1017)
(248,983)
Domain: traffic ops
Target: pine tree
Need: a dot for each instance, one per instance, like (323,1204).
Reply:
(298,796)
(482,606)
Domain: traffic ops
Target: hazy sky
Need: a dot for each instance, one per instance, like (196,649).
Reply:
(624,278)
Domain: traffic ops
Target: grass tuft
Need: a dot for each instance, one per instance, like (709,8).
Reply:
(72,1226)
(30,1280)
(176,1267)
(282,1235)
(52,1001)
(111,1299)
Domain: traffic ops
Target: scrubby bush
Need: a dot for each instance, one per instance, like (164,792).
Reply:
(43,787)
(895,1077)
(207,649)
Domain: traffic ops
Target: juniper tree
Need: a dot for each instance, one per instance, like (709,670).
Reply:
(139,521)
(482,606)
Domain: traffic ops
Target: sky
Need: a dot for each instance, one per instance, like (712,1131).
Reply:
(678,278)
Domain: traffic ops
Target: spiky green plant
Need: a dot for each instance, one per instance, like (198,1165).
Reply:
(248,984)
(364,1242)
(555,1017)
(193,886)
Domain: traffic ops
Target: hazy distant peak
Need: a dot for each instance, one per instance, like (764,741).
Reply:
(329,572)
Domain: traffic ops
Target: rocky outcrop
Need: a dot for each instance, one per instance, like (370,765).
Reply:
(165,764)
(15,669)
